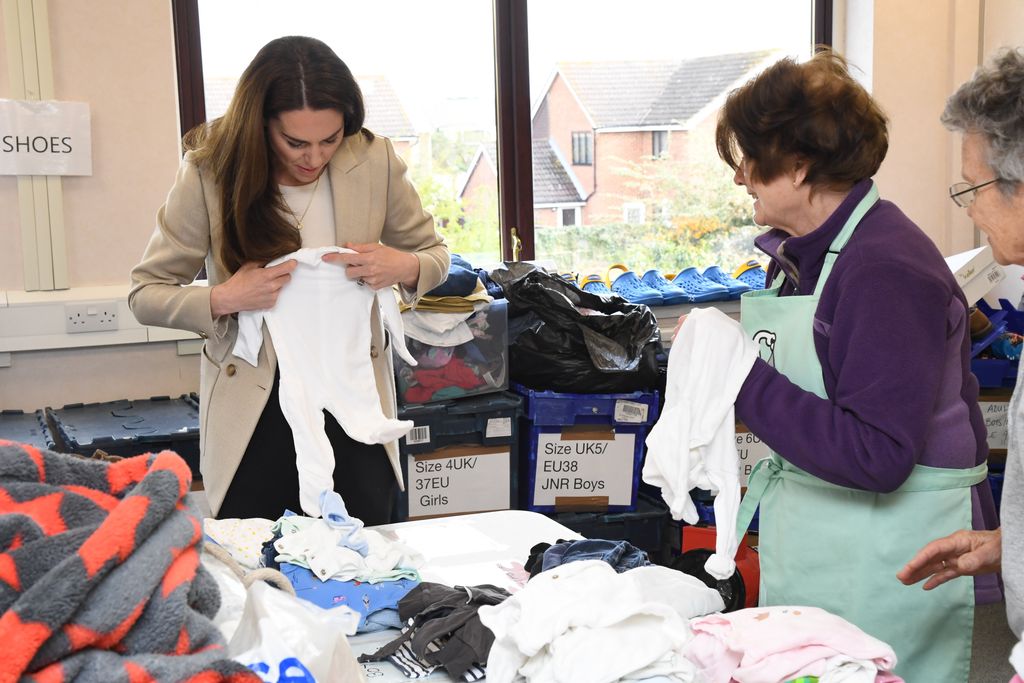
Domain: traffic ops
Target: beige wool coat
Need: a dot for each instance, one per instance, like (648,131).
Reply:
(374,201)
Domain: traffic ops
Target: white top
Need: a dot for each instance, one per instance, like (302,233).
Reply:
(318,228)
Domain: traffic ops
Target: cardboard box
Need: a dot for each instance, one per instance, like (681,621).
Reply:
(976,271)
(460,456)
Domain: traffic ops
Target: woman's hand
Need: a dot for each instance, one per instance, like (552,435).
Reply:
(378,266)
(964,553)
(251,288)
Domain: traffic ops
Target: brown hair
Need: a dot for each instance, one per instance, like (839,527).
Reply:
(287,74)
(813,113)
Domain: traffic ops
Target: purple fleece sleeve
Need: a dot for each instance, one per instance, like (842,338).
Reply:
(881,356)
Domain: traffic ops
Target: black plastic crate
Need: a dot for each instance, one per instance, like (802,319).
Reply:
(644,527)
(488,420)
(456,451)
(132,427)
(29,428)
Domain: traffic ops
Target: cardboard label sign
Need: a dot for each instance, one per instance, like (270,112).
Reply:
(750,449)
(575,463)
(997,420)
(459,479)
(45,137)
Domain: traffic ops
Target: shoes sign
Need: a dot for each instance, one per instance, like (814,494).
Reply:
(45,138)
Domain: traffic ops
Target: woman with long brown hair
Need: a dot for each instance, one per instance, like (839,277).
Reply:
(288,166)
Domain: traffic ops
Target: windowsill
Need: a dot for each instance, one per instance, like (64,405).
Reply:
(668,315)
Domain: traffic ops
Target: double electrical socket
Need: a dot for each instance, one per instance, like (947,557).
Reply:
(100,316)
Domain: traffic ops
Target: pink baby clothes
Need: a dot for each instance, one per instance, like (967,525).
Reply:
(780,643)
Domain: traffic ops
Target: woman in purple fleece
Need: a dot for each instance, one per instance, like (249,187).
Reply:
(868,403)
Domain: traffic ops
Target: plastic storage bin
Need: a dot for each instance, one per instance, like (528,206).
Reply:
(29,428)
(583,451)
(132,427)
(443,373)
(997,372)
(644,527)
(461,456)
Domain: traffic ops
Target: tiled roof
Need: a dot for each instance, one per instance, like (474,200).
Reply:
(384,111)
(654,93)
(552,183)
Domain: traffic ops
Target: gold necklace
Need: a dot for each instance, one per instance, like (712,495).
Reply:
(312,196)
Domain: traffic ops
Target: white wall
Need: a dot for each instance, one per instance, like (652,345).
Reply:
(922,51)
(119,57)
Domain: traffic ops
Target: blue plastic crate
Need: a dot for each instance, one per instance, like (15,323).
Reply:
(577,431)
(706,513)
(28,428)
(997,372)
(448,458)
(132,427)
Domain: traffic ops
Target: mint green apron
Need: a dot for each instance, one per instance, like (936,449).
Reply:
(839,548)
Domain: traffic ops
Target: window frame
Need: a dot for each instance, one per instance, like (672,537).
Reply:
(659,151)
(582,148)
(639,207)
(576,215)
(512,91)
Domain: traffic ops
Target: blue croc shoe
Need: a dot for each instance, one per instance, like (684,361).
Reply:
(698,287)
(630,288)
(735,287)
(595,285)
(751,273)
(571,278)
(671,294)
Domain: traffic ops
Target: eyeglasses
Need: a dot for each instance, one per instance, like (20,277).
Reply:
(964,194)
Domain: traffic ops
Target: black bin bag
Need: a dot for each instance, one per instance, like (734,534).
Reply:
(564,339)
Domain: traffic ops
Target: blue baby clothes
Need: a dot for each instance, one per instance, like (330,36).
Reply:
(364,598)
(334,512)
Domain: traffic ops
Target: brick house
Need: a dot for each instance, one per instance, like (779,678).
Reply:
(596,117)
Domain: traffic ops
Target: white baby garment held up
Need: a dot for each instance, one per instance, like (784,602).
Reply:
(321,331)
(693,443)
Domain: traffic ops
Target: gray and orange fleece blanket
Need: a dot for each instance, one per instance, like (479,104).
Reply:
(99,573)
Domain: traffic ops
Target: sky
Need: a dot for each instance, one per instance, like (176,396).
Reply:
(438,54)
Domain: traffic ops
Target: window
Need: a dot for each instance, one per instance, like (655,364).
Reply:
(659,143)
(582,149)
(437,108)
(633,213)
(509,77)
(638,87)
(570,217)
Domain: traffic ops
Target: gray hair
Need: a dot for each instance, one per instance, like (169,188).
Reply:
(992,104)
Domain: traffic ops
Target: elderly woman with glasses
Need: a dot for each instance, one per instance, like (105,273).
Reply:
(989,111)
(866,399)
